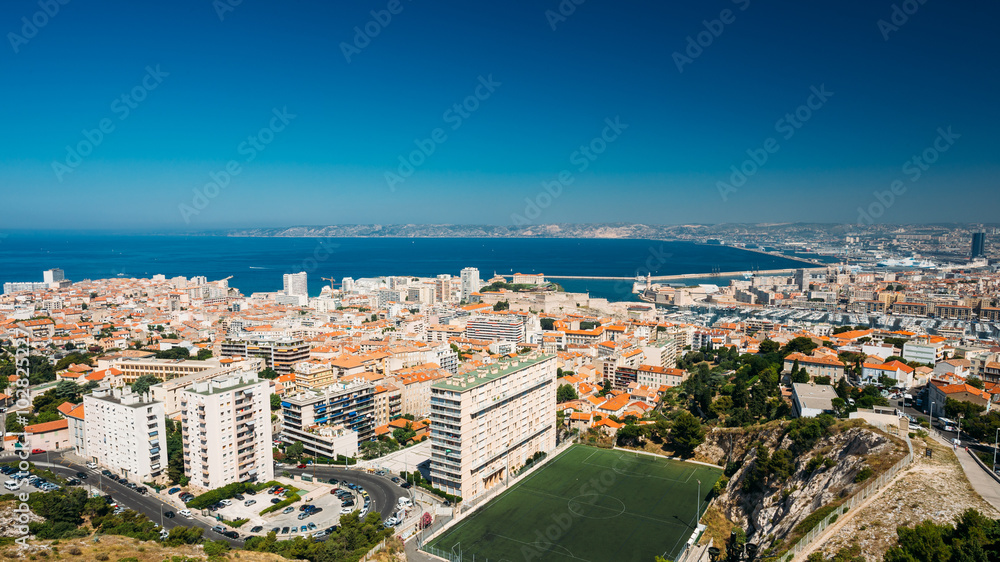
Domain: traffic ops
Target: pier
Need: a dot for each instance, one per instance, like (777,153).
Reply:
(655,278)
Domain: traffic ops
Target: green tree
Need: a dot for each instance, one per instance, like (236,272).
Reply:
(501,305)
(686,434)
(203,354)
(799,345)
(268,373)
(975,382)
(565,393)
(295,450)
(142,384)
(275,402)
(548,323)
(768,346)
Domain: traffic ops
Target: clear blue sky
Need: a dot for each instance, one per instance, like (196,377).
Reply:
(353,120)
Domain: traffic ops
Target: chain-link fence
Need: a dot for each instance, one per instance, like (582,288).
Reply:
(806,542)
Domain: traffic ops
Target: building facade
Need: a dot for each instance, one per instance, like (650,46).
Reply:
(489,421)
(278,353)
(226,425)
(347,404)
(126,433)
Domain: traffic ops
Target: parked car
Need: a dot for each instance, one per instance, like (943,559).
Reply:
(141,489)
(248,503)
(226,502)
(173,491)
(288,509)
(37,451)
(256,529)
(231,534)
(168,514)
(275,500)
(301,465)
(91,464)
(312,526)
(81,475)
(284,530)
(219,529)
(406,485)
(345,510)
(303,515)
(276,530)
(184,513)
(239,497)
(304,529)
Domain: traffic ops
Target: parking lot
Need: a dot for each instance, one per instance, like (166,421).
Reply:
(326,513)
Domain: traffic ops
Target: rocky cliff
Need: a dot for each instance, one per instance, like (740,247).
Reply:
(770,492)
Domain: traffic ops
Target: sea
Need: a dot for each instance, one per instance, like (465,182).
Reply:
(257,264)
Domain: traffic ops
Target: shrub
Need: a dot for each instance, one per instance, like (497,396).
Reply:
(75,551)
(863,474)
(102,556)
(216,548)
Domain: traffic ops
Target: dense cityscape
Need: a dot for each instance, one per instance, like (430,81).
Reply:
(190,394)
(521,281)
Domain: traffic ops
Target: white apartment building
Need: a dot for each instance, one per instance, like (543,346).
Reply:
(923,352)
(470,282)
(125,432)
(502,327)
(295,284)
(488,422)
(656,376)
(227,430)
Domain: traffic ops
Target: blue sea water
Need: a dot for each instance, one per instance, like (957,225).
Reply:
(257,264)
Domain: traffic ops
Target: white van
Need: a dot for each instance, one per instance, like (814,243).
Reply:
(405,502)
(11,485)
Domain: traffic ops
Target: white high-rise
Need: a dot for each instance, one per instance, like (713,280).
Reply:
(227,430)
(489,421)
(54,275)
(295,284)
(126,433)
(470,282)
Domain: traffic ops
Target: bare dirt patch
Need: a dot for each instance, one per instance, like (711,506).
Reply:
(932,488)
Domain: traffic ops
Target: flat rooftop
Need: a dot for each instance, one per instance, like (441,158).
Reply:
(485,374)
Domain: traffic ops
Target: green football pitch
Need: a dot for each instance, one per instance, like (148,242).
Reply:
(590,505)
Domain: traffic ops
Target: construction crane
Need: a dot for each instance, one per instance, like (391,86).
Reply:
(331,280)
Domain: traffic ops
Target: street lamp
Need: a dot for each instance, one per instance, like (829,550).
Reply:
(697,509)
(960,416)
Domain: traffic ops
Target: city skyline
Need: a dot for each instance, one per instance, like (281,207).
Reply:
(853,105)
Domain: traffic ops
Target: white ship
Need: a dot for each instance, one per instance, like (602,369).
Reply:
(907,262)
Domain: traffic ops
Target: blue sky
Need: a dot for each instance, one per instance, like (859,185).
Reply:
(208,83)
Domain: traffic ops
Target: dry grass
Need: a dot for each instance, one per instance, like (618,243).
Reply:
(116,548)
(717,528)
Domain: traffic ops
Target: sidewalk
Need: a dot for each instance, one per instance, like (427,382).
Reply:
(982,483)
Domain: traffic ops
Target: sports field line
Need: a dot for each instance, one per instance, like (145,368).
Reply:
(636,474)
(567,500)
(568,551)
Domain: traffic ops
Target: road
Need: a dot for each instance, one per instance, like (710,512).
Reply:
(383,493)
(146,504)
(981,481)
